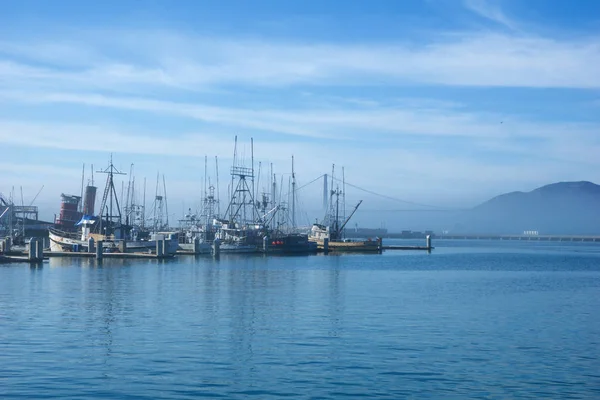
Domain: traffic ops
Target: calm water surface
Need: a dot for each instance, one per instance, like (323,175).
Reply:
(470,320)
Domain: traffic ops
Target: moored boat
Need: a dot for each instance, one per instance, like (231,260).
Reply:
(329,234)
(293,243)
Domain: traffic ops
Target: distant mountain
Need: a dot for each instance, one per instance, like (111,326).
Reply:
(559,208)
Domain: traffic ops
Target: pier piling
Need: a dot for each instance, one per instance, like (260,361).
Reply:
(428,242)
(91,248)
(326,245)
(99,249)
(216,247)
(160,247)
(32,246)
(39,249)
(196,245)
(36,252)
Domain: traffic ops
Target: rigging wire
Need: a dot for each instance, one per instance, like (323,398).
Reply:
(306,184)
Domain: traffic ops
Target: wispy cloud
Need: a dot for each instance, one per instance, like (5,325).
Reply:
(491,11)
(353,123)
(173,61)
(314,105)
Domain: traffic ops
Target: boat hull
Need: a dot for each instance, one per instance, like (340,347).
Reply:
(203,248)
(237,248)
(292,244)
(358,246)
(63,243)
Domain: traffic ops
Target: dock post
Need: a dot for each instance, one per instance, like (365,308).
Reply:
(91,248)
(39,249)
(165,246)
(2,245)
(159,248)
(326,245)
(32,249)
(380,244)
(428,242)
(123,246)
(216,247)
(196,245)
(266,244)
(99,250)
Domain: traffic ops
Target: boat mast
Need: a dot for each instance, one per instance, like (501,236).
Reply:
(80,206)
(255,195)
(128,201)
(166,203)
(156,199)
(217,171)
(205,187)
(254,213)
(272,178)
(343,197)
(144,206)
(293,196)
(23,215)
(232,177)
(337,214)
(110,195)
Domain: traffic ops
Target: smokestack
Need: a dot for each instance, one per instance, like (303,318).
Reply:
(90,200)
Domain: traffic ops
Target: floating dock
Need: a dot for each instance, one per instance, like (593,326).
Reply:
(425,248)
(21,256)
(18,259)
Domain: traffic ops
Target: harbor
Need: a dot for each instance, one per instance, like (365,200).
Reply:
(124,226)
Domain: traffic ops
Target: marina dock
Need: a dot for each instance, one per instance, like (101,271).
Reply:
(22,256)
(422,248)
(35,253)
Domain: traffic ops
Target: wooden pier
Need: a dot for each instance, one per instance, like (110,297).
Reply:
(22,256)
(4,259)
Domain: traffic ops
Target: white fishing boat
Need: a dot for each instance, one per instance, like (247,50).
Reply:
(108,228)
(61,241)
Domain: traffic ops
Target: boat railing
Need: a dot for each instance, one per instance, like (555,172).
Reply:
(70,235)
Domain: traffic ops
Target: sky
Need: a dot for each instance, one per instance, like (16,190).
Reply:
(435,104)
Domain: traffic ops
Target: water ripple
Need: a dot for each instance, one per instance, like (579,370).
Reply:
(453,324)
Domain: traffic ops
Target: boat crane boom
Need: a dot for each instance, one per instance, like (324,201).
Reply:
(350,216)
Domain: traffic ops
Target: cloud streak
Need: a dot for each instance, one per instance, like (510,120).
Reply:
(353,123)
(491,11)
(171,61)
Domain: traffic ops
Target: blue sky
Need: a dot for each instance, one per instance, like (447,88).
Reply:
(438,102)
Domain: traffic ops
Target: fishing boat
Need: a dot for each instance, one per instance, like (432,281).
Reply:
(62,241)
(242,229)
(292,243)
(107,228)
(284,237)
(329,234)
(197,230)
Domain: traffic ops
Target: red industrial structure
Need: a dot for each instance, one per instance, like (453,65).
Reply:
(69,211)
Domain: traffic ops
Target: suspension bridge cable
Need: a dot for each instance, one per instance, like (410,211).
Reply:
(388,197)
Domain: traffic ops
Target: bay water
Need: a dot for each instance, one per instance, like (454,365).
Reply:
(472,319)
